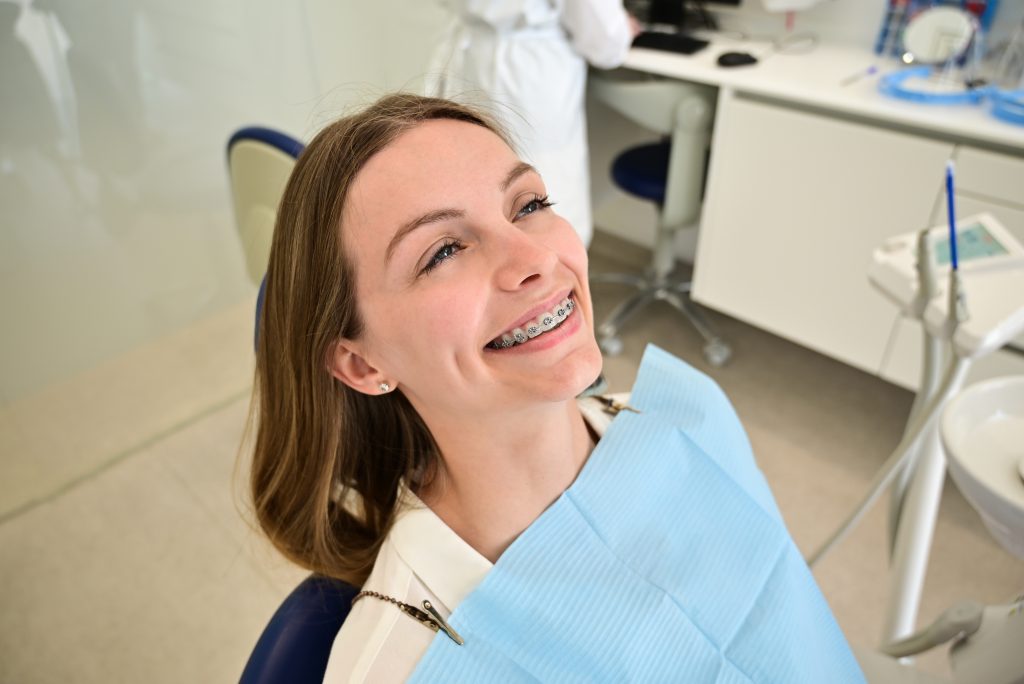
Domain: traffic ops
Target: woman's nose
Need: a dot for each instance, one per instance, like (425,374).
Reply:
(522,259)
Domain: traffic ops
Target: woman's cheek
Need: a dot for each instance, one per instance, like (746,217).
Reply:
(447,316)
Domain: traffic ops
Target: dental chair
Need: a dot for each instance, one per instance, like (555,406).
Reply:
(296,643)
(260,160)
(669,173)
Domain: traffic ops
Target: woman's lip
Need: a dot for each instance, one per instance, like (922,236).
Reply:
(530,317)
(546,340)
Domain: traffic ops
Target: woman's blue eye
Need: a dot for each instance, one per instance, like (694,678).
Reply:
(449,249)
(536,204)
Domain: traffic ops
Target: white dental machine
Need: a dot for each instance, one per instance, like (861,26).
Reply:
(966,286)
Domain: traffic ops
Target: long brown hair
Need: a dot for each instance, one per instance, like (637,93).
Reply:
(328,460)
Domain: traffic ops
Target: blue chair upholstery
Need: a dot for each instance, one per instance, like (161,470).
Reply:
(260,296)
(269,136)
(296,643)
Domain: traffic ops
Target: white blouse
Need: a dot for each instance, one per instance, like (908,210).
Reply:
(421,558)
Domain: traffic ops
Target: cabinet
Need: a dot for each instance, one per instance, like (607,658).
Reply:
(796,201)
(809,173)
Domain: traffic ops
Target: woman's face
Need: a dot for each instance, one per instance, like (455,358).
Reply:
(456,253)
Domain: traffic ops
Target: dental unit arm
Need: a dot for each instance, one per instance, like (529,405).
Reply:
(921,419)
(986,640)
(957,622)
(920,274)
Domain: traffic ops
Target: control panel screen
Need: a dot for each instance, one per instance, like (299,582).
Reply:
(973,242)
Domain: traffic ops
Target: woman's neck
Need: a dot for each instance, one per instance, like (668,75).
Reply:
(499,475)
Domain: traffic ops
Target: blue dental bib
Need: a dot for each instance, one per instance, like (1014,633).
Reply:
(665,561)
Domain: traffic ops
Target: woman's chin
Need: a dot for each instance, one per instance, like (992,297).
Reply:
(555,382)
(581,371)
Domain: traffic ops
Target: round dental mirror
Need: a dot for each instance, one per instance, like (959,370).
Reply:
(938,35)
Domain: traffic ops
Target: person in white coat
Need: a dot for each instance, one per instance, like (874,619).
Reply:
(529,57)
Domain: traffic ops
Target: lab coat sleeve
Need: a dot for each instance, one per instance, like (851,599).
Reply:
(598,30)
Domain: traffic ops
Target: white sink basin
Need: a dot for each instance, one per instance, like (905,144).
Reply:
(983,432)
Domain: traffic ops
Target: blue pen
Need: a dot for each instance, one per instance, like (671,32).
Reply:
(952,214)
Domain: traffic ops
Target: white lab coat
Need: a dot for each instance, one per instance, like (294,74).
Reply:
(529,57)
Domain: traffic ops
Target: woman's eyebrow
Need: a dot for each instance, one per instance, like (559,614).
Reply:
(517,171)
(448,214)
(429,217)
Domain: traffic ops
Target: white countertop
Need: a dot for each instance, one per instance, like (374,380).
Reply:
(815,78)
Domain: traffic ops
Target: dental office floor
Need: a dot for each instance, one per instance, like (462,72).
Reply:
(142,569)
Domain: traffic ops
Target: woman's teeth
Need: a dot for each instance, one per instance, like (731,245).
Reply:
(547,321)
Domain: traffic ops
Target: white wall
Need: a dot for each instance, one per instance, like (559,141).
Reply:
(118,224)
(363,49)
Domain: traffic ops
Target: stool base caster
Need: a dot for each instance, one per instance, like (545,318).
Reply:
(610,346)
(717,353)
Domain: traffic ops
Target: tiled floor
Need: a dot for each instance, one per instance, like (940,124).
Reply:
(135,563)
(112,409)
(144,573)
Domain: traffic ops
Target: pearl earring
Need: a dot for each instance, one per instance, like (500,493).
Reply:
(384,387)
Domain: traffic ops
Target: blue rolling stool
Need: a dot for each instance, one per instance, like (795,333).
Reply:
(669,173)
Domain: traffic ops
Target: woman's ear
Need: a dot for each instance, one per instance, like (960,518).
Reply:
(349,366)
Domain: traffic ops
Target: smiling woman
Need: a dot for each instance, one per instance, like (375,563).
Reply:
(426,330)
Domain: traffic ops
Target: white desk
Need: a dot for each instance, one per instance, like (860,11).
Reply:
(807,176)
(814,79)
